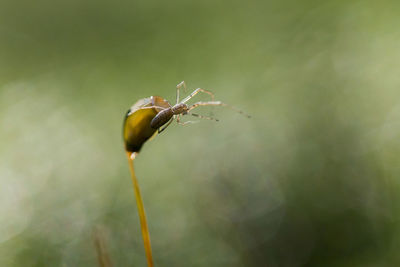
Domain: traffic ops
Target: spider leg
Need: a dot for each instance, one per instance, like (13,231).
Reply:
(183,123)
(203,117)
(195,92)
(187,122)
(158,107)
(216,103)
(178,87)
(165,127)
(162,108)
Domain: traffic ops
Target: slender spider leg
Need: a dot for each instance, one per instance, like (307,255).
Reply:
(216,103)
(131,111)
(187,122)
(181,84)
(183,123)
(165,127)
(162,108)
(178,118)
(195,92)
(204,117)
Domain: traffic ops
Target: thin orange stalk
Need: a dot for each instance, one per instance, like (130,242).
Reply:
(142,214)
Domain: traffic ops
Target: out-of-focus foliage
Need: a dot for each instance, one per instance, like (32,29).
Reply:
(312,179)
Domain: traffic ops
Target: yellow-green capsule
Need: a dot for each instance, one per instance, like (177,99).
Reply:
(136,129)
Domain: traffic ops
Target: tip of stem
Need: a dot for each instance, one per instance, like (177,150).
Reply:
(131,155)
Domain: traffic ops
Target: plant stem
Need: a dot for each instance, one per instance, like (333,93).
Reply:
(101,248)
(142,214)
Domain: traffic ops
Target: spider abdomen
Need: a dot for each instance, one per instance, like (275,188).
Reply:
(161,118)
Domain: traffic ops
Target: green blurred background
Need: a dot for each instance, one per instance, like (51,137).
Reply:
(312,179)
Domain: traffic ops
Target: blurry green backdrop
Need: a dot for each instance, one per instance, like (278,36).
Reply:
(312,179)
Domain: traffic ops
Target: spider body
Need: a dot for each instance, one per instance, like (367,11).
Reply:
(166,115)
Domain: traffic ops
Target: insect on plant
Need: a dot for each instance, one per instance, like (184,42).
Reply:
(142,121)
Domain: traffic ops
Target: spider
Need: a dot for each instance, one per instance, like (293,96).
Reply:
(167,114)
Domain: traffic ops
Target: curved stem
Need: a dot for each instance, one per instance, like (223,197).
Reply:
(142,214)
